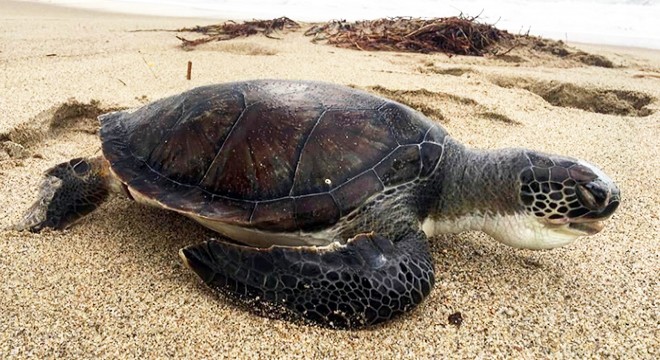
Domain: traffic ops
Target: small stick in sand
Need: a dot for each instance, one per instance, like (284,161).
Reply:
(189,73)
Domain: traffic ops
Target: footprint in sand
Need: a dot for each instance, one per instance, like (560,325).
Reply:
(72,115)
(442,107)
(602,101)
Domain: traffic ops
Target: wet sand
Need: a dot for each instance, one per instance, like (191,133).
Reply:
(113,286)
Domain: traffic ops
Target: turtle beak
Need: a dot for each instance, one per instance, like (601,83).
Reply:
(598,198)
(601,198)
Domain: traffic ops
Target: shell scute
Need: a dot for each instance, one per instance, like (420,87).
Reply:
(188,134)
(232,211)
(431,154)
(315,212)
(404,123)
(354,192)
(341,146)
(259,159)
(277,215)
(400,166)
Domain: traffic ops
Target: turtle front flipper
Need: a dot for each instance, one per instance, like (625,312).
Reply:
(69,191)
(368,280)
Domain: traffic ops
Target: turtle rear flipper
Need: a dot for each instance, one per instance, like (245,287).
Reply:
(368,280)
(69,191)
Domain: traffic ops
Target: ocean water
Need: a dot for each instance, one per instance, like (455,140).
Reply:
(613,22)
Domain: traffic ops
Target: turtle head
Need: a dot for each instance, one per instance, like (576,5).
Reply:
(68,192)
(558,200)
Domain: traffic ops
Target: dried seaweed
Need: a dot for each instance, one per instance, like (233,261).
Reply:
(231,30)
(452,35)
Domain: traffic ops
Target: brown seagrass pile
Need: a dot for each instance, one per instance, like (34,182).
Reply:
(453,35)
(457,35)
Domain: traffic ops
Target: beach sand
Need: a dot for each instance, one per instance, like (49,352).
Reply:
(113,286)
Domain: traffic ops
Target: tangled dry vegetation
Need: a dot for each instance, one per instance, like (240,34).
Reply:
(451,35)
(231,30)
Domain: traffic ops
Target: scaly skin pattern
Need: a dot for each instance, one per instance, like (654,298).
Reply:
(364,282)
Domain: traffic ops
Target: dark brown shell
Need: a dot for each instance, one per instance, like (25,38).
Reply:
(271,154)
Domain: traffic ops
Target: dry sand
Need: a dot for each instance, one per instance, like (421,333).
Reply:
(113,286)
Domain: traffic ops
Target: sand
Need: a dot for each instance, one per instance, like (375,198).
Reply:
(113,286)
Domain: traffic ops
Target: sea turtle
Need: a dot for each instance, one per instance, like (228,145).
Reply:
(328,193)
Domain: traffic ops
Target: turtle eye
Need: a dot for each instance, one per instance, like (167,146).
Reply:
(593,195)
